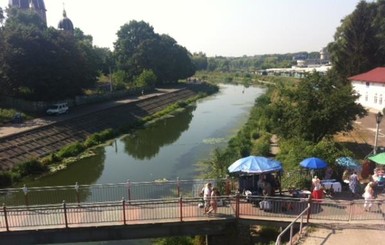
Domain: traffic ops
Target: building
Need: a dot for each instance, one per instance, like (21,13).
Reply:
(36,5)
(65,24)
(371,88)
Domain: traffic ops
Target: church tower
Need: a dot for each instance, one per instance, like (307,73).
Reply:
(65,24)
(36,5)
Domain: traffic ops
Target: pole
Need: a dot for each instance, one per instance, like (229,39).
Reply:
(376,139)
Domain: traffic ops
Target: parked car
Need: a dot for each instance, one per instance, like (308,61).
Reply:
(57,109)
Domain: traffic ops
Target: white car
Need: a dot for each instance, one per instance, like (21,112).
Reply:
(57,109)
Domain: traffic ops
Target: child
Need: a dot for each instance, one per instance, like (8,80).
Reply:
(214,201)
(368,196)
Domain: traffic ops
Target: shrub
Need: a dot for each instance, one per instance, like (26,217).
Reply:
(262,146)
(30,167)
(5,179)
(71,150)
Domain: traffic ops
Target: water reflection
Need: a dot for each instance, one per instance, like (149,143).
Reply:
(145,144)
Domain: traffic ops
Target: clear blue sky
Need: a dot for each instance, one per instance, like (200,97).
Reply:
(214,27)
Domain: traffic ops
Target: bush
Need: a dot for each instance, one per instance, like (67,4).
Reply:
(30,167)
(262,146)
(268,232)
(71,150)
(5,179)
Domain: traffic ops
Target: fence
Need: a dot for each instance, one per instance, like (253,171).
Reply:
(108,192)
(124,212)
(106,213)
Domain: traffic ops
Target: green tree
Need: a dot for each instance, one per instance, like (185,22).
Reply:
(200,61)
(146,79)
(42,63)
(317,107)
(359,42)
(139,48)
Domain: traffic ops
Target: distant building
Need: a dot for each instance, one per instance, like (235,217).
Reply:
(36,5)
(65,24)
(371,88)
(304,61)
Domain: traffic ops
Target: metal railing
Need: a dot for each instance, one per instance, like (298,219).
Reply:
(181,209)
(71,215)
(291,225)
(109,192)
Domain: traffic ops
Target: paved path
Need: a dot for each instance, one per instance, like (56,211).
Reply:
(339,235)
(78,111)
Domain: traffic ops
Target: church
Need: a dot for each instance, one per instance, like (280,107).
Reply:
(38,6)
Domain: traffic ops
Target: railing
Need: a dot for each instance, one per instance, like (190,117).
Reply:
(71,215)
(181,209)
(300,216)
(109,192)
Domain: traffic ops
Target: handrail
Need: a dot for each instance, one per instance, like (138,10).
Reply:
(278,241)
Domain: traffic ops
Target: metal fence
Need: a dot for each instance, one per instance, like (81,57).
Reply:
(108,192)
(182,209)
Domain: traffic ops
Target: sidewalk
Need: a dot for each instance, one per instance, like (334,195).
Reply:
(337,235)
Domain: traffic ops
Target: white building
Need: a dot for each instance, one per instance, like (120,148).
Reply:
(371,88)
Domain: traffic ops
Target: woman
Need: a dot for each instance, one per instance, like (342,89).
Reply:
(353,183)
(207,196)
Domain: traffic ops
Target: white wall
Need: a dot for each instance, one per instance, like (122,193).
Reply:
(372,95)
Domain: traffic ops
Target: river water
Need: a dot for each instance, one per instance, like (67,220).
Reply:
(169,148)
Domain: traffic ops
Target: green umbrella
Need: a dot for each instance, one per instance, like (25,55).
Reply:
(379,158)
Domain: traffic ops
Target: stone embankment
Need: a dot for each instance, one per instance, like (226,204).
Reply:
(49,137)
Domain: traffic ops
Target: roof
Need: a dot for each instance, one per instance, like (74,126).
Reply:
(376,75)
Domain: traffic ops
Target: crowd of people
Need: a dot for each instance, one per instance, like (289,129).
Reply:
(375,185)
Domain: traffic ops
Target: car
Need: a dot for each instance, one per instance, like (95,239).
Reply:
(57,109)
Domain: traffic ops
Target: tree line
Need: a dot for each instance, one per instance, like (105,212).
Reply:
(42,63)
(308,113)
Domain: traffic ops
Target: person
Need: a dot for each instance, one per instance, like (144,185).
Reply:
(214,201)
(317,188)
(346,175)
(328,173)
(378,180)
(207,196)
(353,183)
(368,196)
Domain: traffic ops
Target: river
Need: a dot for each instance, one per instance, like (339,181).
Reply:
(169,148)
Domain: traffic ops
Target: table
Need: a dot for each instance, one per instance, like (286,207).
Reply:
(301,193)
(336,186)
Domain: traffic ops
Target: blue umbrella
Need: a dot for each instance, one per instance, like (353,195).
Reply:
(348,162)
(313,163)
(255,165)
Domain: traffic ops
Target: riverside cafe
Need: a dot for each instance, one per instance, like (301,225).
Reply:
(257,175)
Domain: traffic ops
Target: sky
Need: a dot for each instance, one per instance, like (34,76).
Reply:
(215,27)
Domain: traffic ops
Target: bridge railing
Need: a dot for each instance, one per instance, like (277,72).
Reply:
(109,192)
(71,215)
(124,212)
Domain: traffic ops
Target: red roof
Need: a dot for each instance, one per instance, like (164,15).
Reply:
(376,75)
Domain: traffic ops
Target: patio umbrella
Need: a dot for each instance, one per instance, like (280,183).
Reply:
(313,163)
(348,162)
(379,158)
(255,165)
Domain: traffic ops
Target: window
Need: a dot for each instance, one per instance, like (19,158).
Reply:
(375,98)
(380,100)
(367,84)
(366,96)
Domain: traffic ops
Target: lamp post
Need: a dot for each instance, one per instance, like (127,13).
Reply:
(378,121)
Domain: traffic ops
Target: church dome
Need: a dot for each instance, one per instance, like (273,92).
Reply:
(65,24)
